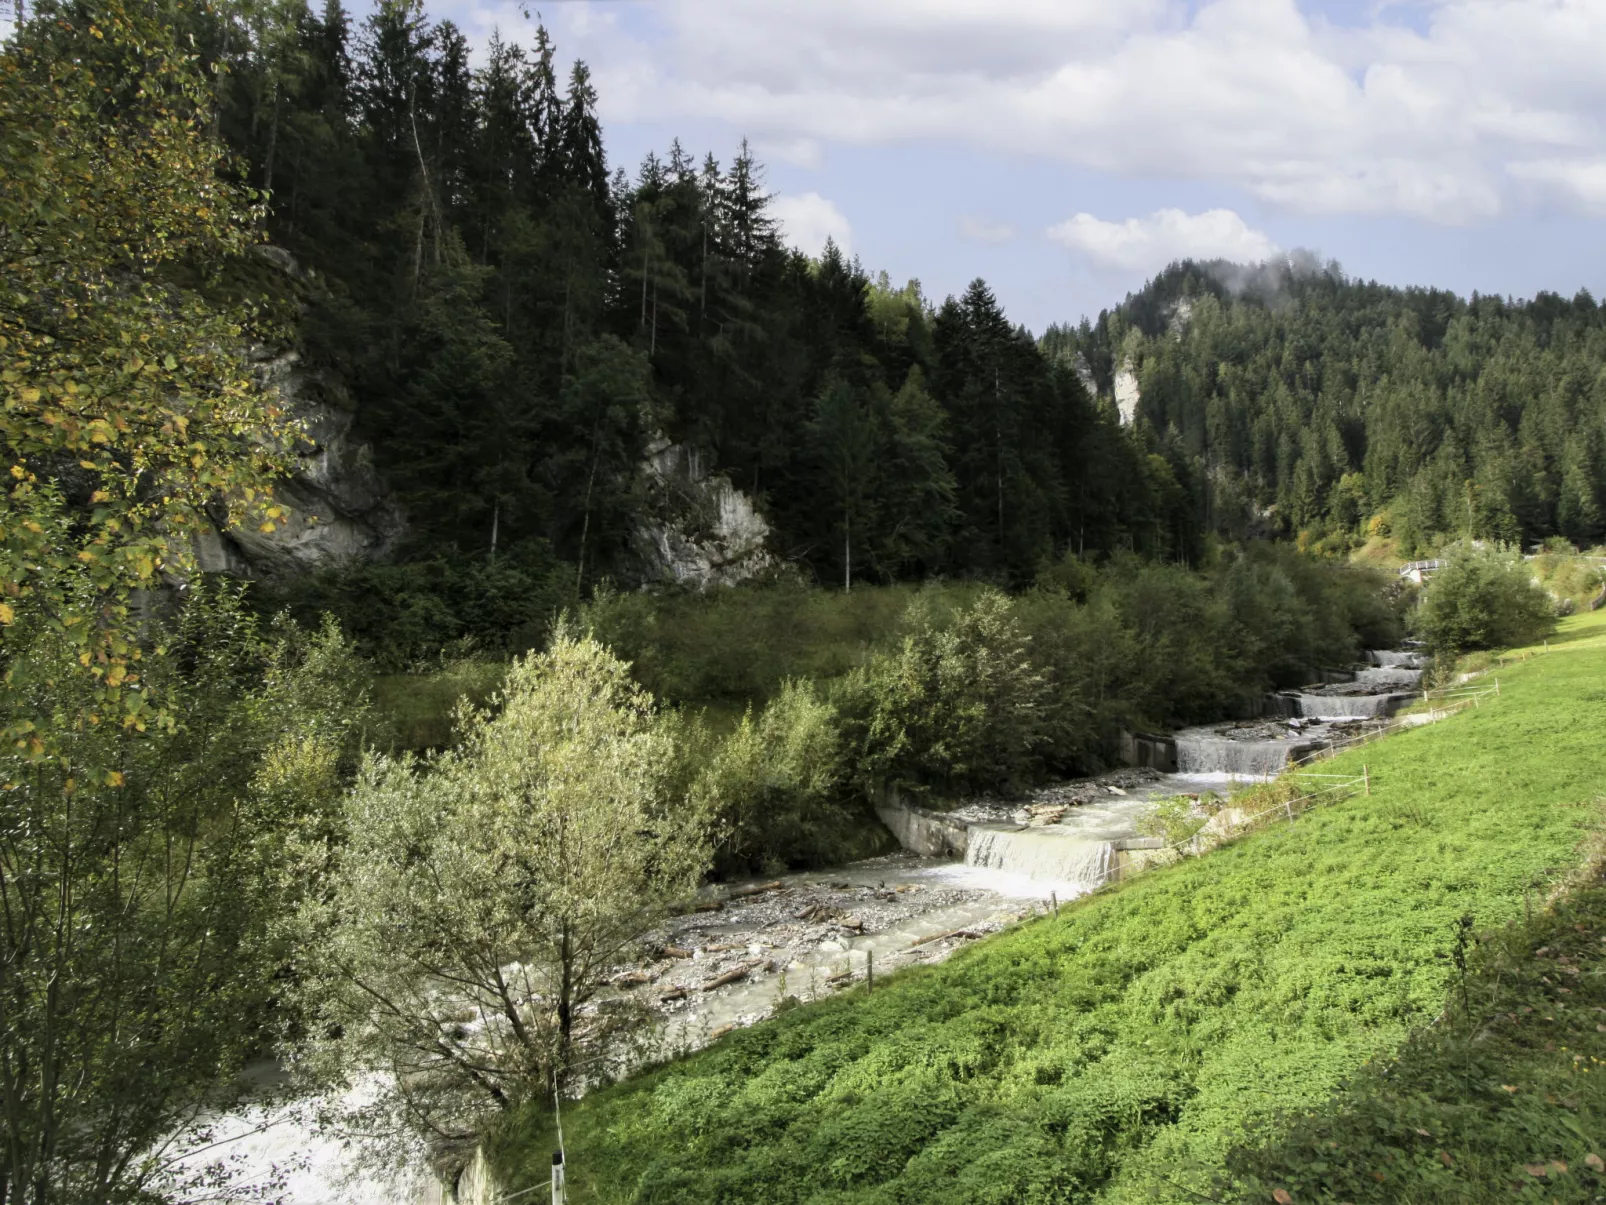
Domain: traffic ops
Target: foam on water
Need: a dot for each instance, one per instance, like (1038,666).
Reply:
(283,1141)
(1397,658)
(1046,855)
(1389,675)
(1339,706)
(1218,753)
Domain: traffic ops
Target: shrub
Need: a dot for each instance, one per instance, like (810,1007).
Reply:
(1484,598)
(959,706)
(1172,819)
(401,615)
(776,784)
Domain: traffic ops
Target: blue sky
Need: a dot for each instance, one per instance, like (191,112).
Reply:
(1067,149)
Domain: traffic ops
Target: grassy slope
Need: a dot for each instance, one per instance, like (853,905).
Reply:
(1116,1052)
(1506,1096)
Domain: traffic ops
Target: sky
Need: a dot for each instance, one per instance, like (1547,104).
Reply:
(1065,150)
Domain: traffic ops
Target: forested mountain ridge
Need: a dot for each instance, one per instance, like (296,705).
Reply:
(515,321)
(1355,408)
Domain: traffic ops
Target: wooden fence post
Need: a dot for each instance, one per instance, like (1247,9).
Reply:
(1366,777)
(869,971)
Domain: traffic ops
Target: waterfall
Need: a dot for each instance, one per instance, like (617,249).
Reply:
(1397,658)
(1213,751)
(1389,675)
(1040,853)
(1347,706)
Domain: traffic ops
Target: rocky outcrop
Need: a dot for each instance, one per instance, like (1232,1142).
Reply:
(696,529)
(340,508)
(1127,395)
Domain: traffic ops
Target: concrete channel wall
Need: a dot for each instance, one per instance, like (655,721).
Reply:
(921,830)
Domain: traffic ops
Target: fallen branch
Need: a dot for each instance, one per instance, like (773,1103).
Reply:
(676,952)
(732,976)
(759,889)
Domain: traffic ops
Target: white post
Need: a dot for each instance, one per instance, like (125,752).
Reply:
(559,1191)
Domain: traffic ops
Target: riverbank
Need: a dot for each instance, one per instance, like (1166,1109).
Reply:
(1119,1050)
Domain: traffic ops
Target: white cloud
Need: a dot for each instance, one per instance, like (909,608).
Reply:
(984,231)
(1380,118)
(808,220)
(1148,244)
(1581,182)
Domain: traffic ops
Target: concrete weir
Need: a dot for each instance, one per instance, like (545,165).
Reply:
(1398,658)
(1340,701)
(1042,853)
(1243,750)
(922,831)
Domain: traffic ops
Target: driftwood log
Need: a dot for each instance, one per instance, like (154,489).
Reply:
(732,976)
(757,889)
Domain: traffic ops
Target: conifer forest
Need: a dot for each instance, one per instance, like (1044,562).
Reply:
(518,678)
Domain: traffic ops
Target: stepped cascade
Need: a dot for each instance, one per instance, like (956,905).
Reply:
(1341,701)
(1043,854)
(1398,658)
(1243,750)
(1399,677)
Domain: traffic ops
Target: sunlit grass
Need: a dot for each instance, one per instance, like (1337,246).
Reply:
(1118,1052)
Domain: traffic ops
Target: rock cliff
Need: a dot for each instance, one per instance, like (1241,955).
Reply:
(340,507)
(696,528)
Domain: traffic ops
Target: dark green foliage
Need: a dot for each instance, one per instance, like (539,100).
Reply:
(778,783)
(957,688)
(957,705)
(1119,1052)
(401,615)
(143,947)
(1484,598)
(513,323)
(1331,401)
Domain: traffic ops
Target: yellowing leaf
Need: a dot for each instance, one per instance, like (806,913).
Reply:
(8,614)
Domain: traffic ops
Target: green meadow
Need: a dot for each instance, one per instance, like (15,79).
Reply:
(1159,1040)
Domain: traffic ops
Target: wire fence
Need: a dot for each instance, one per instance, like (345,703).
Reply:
(1443,702)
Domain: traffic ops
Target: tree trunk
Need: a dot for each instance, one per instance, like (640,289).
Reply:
(585,523)
(565,998)
(273,143)
(847,553)
(496,518)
